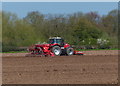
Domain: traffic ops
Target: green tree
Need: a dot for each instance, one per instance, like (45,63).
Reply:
(84,30)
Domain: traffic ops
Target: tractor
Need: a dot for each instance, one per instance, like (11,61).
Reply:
(55,47)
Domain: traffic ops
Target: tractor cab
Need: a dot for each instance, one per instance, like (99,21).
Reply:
(58,40)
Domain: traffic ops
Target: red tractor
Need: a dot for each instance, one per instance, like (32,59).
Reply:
(55,47)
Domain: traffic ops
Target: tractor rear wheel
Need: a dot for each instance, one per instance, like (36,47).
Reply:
(69,51)
(56,50)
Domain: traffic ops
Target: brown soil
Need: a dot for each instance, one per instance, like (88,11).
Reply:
(87,69)
(92,52)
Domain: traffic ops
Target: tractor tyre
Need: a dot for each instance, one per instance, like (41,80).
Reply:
(69,51)
(56,50)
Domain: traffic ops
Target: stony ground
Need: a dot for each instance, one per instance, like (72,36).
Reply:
(96,67)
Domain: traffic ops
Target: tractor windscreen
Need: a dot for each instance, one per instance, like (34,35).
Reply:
(52,41)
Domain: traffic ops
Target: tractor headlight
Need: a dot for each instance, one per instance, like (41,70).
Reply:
(44,48)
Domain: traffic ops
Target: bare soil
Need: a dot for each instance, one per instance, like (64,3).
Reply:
(92,52)
(87,69)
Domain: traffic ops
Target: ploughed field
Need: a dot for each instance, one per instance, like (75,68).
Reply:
(92,68)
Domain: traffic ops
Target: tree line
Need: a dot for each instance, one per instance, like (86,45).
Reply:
(78,29)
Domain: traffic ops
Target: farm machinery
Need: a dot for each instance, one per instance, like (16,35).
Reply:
(55,47)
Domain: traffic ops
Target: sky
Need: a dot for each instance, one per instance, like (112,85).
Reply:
(22,8)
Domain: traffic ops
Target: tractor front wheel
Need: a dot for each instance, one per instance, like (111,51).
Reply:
(56,50)
(69,51)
